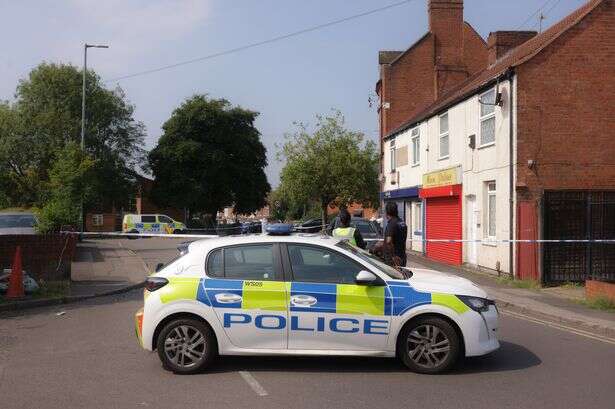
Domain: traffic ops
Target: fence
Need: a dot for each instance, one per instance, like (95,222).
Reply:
(44,256)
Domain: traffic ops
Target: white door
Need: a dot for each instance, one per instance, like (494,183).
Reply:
(472,229)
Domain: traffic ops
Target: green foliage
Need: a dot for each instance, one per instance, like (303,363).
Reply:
(210,156)
(332,165)
(46,116)
(69,179)
(600,303)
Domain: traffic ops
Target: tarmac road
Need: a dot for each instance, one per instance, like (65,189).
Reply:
(88,357)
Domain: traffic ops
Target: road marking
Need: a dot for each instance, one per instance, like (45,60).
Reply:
(250,380)
(561,327)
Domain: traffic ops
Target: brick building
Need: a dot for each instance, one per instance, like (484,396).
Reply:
(526,139)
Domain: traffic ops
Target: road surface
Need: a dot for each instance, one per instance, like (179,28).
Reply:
(88,357)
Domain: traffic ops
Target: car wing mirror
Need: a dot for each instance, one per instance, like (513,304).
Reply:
(159,267)
(365,277)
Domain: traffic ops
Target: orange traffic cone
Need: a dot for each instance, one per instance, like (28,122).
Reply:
(15,289)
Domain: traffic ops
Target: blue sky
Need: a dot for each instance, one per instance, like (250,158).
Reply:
(290,80)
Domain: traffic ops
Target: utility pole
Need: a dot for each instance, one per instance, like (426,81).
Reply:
(85,69)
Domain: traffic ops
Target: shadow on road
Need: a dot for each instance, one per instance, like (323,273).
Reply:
(510,357)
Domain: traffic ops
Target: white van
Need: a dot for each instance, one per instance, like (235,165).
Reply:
(151,223)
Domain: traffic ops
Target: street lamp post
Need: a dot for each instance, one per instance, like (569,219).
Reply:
(85,69)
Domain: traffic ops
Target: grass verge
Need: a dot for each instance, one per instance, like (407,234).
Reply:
(600,303)
(527,284)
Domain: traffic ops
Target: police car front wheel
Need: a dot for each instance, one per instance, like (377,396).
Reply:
(429,345)
(186,346)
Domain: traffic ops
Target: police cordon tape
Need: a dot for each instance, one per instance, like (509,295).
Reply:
(210,236)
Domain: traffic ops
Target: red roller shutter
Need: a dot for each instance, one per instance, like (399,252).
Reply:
(443,219)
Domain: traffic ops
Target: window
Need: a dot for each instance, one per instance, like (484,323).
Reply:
(444,148)
(214,264)
(164,219)
(487,118)
(250,262)
(317,264)
(97,220)
(418,217)
(416,146)
(371,260)
(491,206)
(393,164)
(148,218)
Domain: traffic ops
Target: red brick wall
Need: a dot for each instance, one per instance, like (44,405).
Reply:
(40,254)
(566,110)
(596,289)
(407,85)
(475,52)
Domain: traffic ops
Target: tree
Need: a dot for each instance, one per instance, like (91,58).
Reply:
(46,117)
(330,165)
(68,183)
(210,156)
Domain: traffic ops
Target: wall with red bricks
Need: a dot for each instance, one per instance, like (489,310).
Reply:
(597,289)
(109,222)
(40,254)
(566,110)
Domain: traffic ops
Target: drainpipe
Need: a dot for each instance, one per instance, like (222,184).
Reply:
(511,204)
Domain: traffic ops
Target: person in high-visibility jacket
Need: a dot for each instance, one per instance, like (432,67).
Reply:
(345,231)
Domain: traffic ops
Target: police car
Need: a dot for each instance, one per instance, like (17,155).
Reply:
(151,223)
(298,295)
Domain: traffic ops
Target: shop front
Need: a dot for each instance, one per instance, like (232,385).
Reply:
(409,208)
(442,193)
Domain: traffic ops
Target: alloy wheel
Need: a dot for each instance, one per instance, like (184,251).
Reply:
(428,346)
(184,346)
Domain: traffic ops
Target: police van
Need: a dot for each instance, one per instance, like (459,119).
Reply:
(151,223)
(299,295)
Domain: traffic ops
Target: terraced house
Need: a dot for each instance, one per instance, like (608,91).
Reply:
(506,139)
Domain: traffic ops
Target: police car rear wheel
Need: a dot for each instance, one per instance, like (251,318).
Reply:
(429,345)
(186,346)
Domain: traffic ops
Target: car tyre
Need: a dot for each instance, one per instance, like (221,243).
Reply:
(133,237)
(186,346)
(429,345)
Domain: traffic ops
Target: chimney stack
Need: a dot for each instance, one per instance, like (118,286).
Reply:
(446,24)
(501,42)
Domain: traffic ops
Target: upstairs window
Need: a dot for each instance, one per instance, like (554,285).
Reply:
(416,146)
(444,139)
(487,118)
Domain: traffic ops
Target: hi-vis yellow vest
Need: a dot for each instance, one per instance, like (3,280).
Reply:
(345,233)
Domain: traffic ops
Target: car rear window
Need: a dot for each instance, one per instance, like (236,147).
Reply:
(249,262)
(17,220)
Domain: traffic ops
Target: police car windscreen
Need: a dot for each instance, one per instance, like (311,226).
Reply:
(373,260)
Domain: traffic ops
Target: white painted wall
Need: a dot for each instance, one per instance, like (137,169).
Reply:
(479,165)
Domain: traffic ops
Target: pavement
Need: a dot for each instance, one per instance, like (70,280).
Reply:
(86,355)
(557,304)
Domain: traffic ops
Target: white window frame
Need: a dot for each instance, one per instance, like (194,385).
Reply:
(415,138)
(483,118)
(491,189)
(443,135)
(98,220)
(417,212)
(393,157)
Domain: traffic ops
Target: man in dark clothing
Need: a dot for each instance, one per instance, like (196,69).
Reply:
(394,247)
(344,230)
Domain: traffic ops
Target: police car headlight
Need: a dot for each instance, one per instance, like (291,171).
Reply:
(476,303)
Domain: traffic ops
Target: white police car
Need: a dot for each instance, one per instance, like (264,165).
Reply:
(297,295)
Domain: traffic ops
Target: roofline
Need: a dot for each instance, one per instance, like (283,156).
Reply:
(475,32)
(506,74)
(506,71)
(415,44)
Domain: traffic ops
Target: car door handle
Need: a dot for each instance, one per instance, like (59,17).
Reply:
(302,300)
(227,298)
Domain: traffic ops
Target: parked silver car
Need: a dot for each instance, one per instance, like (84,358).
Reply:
(17,223)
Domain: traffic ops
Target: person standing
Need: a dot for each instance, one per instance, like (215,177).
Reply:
(344,230)
(395,234)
